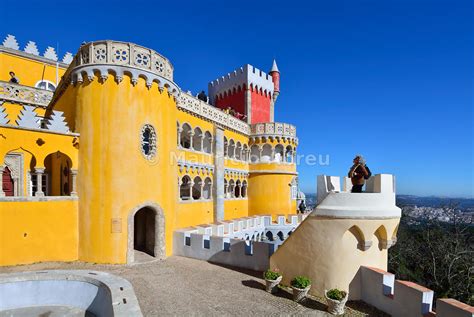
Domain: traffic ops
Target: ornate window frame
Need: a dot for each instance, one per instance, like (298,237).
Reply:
(151,142)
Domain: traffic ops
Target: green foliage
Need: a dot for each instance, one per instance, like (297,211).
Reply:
(336,294)
(437,255)
(271,275)
(300,282)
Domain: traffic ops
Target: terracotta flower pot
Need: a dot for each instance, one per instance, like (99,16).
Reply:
(272,285)
(300,293)
(336,307)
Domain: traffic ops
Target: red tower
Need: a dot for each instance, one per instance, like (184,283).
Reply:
(248,92)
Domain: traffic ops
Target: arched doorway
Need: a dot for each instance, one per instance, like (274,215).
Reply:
(7,182)
(144,231)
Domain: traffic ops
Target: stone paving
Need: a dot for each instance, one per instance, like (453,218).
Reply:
(183,286)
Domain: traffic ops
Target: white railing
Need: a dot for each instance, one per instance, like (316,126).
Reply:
(203,109)
(24,95)
(273,129)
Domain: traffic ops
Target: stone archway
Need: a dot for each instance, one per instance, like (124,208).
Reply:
(146,231)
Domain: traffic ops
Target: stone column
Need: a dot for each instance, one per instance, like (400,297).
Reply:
(191,135)
(73,180)
(2,193)
(179,136)
(39,182)
(191,185)
(218,174)
(211,140)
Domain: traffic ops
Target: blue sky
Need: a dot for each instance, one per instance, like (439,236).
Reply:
(392,80)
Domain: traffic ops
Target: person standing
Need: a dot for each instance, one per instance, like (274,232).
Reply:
(13,78)
(358,173)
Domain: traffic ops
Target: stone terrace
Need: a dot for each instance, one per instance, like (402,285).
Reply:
(183,286)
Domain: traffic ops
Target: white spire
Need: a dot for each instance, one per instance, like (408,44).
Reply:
(274,67)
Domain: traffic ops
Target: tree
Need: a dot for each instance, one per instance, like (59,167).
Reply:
(436,254)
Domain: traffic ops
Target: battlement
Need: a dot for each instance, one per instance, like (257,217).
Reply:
(378,201)
(31,50)
(402,298)
(246,76)
(242,242)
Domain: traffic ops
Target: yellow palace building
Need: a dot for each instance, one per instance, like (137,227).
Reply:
(102,153)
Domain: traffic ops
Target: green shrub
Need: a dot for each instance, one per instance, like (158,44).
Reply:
(271,275)
(336,294)
(300,282)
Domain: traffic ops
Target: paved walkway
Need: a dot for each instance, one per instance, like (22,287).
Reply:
(182,286)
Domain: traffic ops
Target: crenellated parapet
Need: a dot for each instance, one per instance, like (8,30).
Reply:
(241,242)
(31,50)
(246,77)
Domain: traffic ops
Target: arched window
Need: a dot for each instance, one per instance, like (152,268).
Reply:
(207,143)
(231,148)
(231,189)
(237,189)
(207,189)
(279,153)
(226,147)
(245,153)
(197,188)
(186,136)
(266,154)
(289,154)
(238,151)
(254,154)
(148,141)
(197,139)
(45,84)
(185,188)
(244,189)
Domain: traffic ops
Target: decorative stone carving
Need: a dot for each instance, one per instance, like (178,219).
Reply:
(3,114)
(28,118)
(57,122)
(10,42)
(68,58)
(148,141)
(50,53)
(143,58)
(31,48)
(274,130)
(25,95)
(189,103)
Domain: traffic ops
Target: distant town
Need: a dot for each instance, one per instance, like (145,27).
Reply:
(422,209)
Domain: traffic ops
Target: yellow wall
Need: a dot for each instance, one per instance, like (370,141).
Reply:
(34,231)
(29,71)
(270,194)
(115,178)
(235,208)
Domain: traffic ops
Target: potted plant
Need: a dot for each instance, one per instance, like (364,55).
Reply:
(300,286)
(336,300)
(272,279)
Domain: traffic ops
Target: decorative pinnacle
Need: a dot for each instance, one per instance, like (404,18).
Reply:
(274,67)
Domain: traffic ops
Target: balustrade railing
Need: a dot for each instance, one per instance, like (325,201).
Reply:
(24,95)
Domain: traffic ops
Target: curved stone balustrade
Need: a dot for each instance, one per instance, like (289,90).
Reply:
(123,54)
(273,129)
(24,95)
(203,109)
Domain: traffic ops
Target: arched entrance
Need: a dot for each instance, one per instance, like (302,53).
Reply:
(146,232)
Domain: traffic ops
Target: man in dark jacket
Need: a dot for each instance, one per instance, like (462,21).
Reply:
(358,173)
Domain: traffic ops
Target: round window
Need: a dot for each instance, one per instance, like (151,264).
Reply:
(148,141)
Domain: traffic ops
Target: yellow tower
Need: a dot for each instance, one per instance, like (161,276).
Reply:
(123,97)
